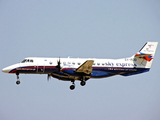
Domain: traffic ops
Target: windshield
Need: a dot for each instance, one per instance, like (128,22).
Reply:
(24,61)
(27,60)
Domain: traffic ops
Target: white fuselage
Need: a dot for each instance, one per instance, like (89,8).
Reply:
(71,69)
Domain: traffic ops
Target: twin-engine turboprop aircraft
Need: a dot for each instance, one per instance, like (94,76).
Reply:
(71,69)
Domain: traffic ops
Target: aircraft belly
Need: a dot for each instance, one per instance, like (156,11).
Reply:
(110,71)
(138,71)
(71,72)
(100,74)
(64,77)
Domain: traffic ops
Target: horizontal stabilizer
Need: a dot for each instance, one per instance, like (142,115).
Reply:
(147,57)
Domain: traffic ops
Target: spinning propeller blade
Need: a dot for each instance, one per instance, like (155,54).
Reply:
(48,77)
(58,64)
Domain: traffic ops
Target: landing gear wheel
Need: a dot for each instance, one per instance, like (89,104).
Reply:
(18,82)
(83,83)
(72,87)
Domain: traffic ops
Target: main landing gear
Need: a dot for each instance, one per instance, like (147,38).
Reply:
(73,85)
(18,81)
(82,83)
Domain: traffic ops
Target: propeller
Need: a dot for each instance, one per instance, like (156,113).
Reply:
(59,64)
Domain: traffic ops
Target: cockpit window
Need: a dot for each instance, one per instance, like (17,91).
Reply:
(27,60)
(24,61)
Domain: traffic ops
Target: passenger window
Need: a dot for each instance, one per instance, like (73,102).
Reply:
(94,63)
(64,63)
(79,63)
(31,60)
(98,63)
(69,62)
(102,63)
(73,63)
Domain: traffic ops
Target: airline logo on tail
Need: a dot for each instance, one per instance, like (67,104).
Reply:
(149,49)
(150,46)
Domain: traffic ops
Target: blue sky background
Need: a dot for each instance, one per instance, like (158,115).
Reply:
(86,29)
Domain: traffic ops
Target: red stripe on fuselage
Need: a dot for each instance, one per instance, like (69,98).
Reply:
(23,68)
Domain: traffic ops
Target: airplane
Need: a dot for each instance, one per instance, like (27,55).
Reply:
(71,69)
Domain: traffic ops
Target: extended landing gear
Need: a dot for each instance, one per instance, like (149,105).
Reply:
(73,85)
(83,83)
(18,81)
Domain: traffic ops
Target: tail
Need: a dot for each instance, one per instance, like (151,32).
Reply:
(146,54)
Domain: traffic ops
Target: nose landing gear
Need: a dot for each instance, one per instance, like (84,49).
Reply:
(18,81)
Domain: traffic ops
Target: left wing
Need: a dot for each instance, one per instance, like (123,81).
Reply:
(86,67)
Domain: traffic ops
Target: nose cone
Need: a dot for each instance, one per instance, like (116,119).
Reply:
(10,68)
(6,70)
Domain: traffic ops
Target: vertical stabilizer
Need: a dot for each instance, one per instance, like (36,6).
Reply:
(146,54)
